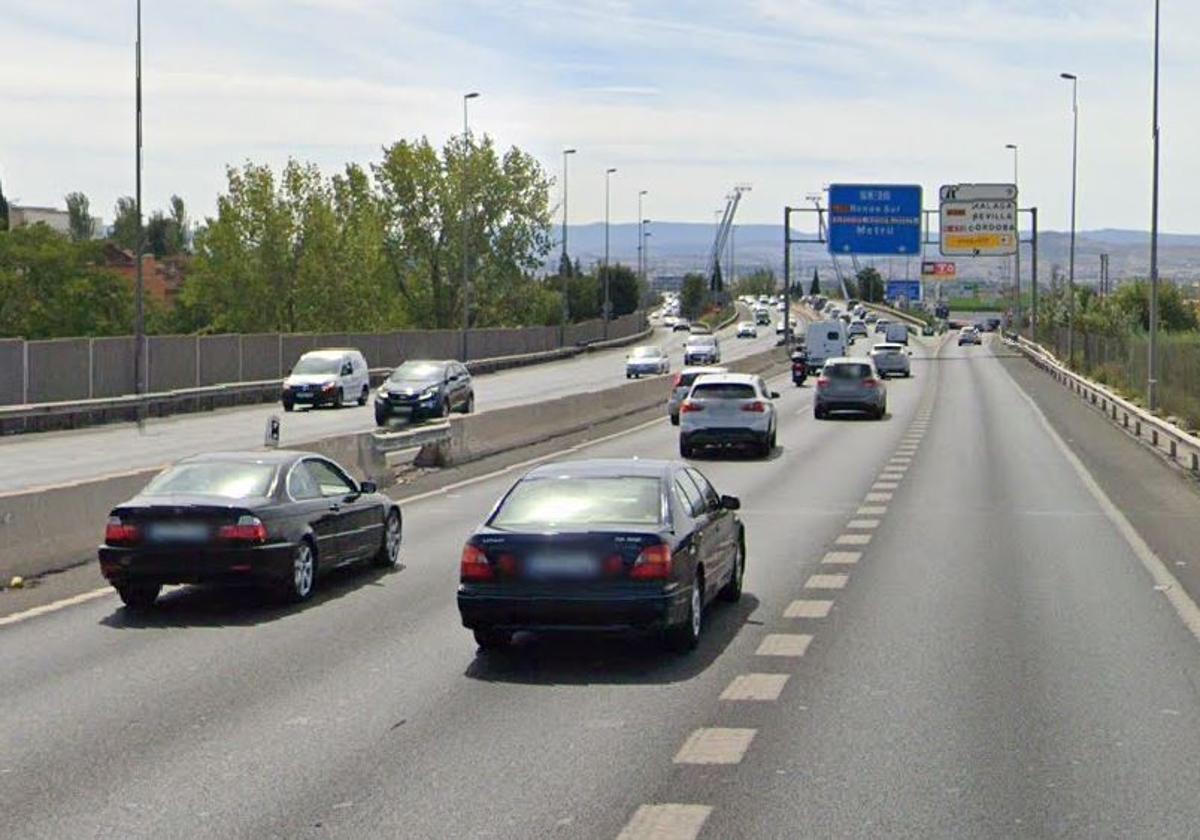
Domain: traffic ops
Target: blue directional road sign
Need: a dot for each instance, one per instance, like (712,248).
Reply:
(874,219)
(907,289)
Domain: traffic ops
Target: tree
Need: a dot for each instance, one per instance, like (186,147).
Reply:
(622,288)
(1132,302)
(815,288)
(870,285)
(3,210)
(760,282)
(583,297)
(125,228)
(83,226)
(179,219)
(693,296)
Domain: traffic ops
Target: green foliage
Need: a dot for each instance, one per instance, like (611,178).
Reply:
(584,297)
(760,282)
(51,287)
(815,287)
(83,226)
(167,235)
(693,296)
(125,223)
(622,288)
(1133,300)
(870,285)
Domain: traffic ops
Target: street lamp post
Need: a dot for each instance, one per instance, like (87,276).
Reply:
(646,250)
(1017,264)
(608,173)
(139,315)
(564,267)
(1074,80)
(466,264)
(641,194)
(1152,373)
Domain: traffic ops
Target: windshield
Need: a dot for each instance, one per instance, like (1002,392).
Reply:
(228,479)
(418,372)
(556,502)
(316,365)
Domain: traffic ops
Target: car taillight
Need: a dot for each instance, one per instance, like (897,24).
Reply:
(688,407)
(475,566)
(117,532)
(870,383)
(678,381)
(822,382)
(248,529)
(756,406)
(654,563)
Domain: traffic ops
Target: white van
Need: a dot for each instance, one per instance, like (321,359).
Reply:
(327,377)
(896,333)
(825,340)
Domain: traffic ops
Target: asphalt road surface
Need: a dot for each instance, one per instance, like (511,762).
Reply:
(946,632)
(40,460)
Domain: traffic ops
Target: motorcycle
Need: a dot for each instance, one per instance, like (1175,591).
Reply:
(799,367)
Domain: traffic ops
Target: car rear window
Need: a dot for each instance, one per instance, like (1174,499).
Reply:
(849,371)
(552,502)
(724,391)
(227,479)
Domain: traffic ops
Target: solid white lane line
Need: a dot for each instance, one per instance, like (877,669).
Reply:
(872,510)
(57,605)
(853,539)
(784,644)
(841,558)
(808,609)
(758,687)
(863,524)
(827,582)
(715,745)
(666,822)
(878,497)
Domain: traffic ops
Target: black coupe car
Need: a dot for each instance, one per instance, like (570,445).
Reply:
(611,545)
(275,518)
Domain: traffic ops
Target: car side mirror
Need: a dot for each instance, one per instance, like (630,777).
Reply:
(368,487)
(731,503)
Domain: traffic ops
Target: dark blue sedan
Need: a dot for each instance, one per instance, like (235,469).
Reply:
(603,545)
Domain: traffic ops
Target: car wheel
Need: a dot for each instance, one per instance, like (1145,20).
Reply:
(732,591)
(685,449)
(684,636)
(489,638)
(381,418)
(362,398)
(139,596)
(881,412)
(674,419)
(299,585)
(469,408)
(288,405)
(819,414)
(388,556)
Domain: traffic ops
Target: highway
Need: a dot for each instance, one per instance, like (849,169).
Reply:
(40,460)
(949,629)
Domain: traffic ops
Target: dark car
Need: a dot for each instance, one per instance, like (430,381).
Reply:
(420,389)
(603,545)
(279,519)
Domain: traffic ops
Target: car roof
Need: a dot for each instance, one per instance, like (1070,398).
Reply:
(847,360)
(605,467)
(330,351)
(254,456)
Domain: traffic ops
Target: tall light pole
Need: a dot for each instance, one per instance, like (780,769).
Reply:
(1074,80)
(608,173)
(139,313)
(1017,263)
(646,252)
(1152,373)
(641,194)
(466,249)
(564,266)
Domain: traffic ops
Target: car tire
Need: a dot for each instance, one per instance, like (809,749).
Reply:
(139,596)
(299,586)
(381,418)
(674,419)
(881,412)
(288,405)
(362,398)
(685,636)
(489,638)
(731,592)
(685,449)
(341,399)
(388,556)
(819,414)
(469,408)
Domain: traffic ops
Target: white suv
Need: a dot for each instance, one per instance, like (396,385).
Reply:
(728,409)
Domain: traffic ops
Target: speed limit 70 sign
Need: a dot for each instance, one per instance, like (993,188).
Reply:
(978,220)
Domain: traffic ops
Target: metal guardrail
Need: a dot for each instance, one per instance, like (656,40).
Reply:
(385,442)
(1164,437)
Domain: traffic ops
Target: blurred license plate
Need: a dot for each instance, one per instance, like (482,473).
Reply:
(177,532)
(562,566)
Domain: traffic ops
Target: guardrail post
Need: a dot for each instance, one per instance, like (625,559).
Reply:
(1174,451)
(1195,462)
(1154,436)
(1138,427)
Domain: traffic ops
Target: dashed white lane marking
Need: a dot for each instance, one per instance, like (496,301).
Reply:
(863,524)
(884,485)
(853,539)
(841,558)
(760,687)
(666,822)
(57,605)
(715,745)
(784,644)
(827,582)
(872,510)
(879,497)
(808,609)
(901,459)
(892,474)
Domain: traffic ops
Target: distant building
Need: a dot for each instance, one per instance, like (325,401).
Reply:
(163,278)
(58,220)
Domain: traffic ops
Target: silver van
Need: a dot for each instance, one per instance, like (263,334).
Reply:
(327,377)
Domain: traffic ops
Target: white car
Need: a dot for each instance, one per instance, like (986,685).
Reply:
(728,409)
(649,360)
(747,329)
(891,359)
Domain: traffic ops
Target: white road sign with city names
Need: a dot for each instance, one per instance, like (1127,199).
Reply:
(978,220)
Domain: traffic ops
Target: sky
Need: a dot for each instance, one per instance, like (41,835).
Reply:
(686,98)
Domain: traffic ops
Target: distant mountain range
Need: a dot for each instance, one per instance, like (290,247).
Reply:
(678,247)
